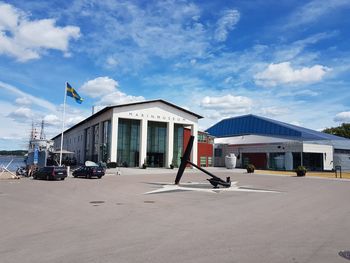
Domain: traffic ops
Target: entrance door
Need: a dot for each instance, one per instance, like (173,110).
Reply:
(313,161)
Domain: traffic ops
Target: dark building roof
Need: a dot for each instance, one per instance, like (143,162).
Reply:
(256,125)
(129,104)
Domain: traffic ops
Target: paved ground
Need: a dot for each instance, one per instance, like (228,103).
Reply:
(60,221)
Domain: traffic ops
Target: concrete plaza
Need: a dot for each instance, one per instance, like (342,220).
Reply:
(112,220)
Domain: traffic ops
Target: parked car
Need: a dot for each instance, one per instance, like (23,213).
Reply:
(90,170)
(51,173)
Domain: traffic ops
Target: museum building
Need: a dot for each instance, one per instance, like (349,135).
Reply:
(151,132)
(275,145)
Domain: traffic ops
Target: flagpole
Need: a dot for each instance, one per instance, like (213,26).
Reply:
(63,117)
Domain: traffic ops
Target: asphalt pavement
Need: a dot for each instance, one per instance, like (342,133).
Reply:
(113,220)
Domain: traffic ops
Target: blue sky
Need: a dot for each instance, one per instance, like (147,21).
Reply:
(286,60)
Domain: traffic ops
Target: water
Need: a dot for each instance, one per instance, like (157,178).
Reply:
(18,161)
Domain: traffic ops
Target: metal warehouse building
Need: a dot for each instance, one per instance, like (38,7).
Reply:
(271,144)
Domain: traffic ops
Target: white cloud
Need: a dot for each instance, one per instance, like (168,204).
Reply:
(107,90)
(27,39)
(35,100)
(313,11)
(133,34)
(23,101)
(52,120)
(111,61)
(273,111)
(118,97)
(294,51)
(99,87)
(283,73)
(226,102)
(72,120)
(342,116)
(226,23)
(22,113)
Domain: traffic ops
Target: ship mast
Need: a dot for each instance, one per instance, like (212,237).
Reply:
(42,134)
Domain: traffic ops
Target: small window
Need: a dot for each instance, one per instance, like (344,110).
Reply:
(210,161)
(203,161)
(202,137)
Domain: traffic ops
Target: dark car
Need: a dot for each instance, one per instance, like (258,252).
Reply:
(89,171)
(51,173)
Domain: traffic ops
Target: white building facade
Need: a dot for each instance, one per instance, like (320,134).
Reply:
(149,132)
(271,144)
(274,153)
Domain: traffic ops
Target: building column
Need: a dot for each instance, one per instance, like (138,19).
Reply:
(143,142)
(194,154)
(288,161)
(114,138)
(170,144)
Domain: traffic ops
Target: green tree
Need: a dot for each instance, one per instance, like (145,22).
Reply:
(342,130)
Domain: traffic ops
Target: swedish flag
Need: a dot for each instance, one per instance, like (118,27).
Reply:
(73,93)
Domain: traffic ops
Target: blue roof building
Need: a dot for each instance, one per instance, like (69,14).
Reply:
(252,124)
(271,144)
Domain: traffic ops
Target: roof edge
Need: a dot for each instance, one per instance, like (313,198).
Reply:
(129,104)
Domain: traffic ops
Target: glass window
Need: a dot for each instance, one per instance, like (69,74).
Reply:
(96,143)
(218,152)
(156,144)
(276,161)
(178,144)
(128,142)
(210,161)
(202,137)
(203,161)
(88,140)
(313,161)
(106,141)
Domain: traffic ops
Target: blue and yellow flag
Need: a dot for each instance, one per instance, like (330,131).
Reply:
(73,93)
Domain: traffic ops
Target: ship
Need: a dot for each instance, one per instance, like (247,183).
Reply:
(40,148)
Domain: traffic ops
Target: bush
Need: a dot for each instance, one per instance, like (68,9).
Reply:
(250,168)
(300,171)
(112,165)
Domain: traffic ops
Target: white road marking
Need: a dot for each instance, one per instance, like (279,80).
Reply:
(166,187)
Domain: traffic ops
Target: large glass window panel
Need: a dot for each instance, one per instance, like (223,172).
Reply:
(313,161)
(128,142)
(156,144)
(88,148)
(106,141)
(296,159)
(276,161)
(95,144)
(178,144)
